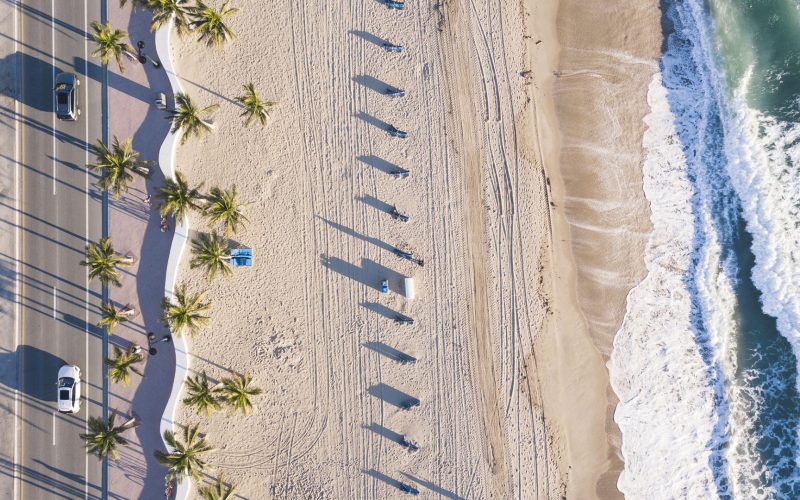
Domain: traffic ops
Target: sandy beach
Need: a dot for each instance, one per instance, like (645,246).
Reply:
(514,398)
(606,60)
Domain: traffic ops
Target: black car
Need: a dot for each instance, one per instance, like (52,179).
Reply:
(67,96)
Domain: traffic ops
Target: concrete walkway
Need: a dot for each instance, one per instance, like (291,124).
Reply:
(134,228)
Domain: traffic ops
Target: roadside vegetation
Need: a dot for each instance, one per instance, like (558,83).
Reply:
(117,165)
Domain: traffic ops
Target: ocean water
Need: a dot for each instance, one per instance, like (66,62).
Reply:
(706,361)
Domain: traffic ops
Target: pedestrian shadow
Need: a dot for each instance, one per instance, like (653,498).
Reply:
(392,396)
(370,273)
(371,120)
(380,309)
(383,477)
(384,432)
(372,83)
(434,488)
(388,351)
(378,163)
(355,234)
(369,37)
(375,203)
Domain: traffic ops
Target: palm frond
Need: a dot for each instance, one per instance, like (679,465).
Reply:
(201,395)
(104,437)
(102,261)
(185,312)
(236,392)
(255,108)
(164,10)
(110,317)
(185,458)
(177,197)
(211,252)
(222,206)
(217,491)
(123,362)
(210,23)
(187,118)
(110,43)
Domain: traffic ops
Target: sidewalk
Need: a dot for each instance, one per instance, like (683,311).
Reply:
(134,228)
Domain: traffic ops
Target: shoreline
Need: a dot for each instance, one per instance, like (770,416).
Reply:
(588,215)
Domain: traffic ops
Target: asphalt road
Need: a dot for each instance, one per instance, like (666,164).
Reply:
(61,211)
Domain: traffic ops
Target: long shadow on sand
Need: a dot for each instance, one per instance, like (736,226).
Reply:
(383,477)
(393,396)
(384,432)
(372,83)
(378,163)
(434,488)
(387,351)
(369,37)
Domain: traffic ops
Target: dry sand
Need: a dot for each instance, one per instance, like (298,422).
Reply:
(308,320)
(601,220)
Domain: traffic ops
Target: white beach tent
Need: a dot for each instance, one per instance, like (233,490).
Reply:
(409,288)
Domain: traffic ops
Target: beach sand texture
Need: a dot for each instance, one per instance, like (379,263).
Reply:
(601,221)
(307,320)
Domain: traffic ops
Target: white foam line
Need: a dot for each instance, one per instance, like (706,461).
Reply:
(166,159)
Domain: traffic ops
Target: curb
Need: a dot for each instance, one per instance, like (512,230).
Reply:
(166,159)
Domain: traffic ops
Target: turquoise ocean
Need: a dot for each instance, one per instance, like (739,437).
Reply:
(706,361)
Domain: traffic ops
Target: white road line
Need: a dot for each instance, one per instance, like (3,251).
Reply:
(54,428)
(55,298)
(17,427)
(86,238)
(53,62)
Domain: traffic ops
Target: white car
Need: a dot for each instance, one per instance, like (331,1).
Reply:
(69,389)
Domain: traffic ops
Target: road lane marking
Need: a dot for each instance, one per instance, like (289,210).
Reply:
(17,269)
(54,428)
(86,238)
(19,472)
(53,63)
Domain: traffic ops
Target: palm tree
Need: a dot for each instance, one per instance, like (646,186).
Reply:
(110,43)
(222,206)
(186,459)
(211,252)
(104,437)
(217,491)
(177,197)
(211,23)
(189,118)
(164,10)
(185,312)
(254,106)
(201,395)
(236,392)
(116,163)
(111,316)
(123,362)
(103,261)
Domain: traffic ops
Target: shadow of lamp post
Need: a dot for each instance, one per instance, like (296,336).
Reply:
(152,341)
(143,58)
